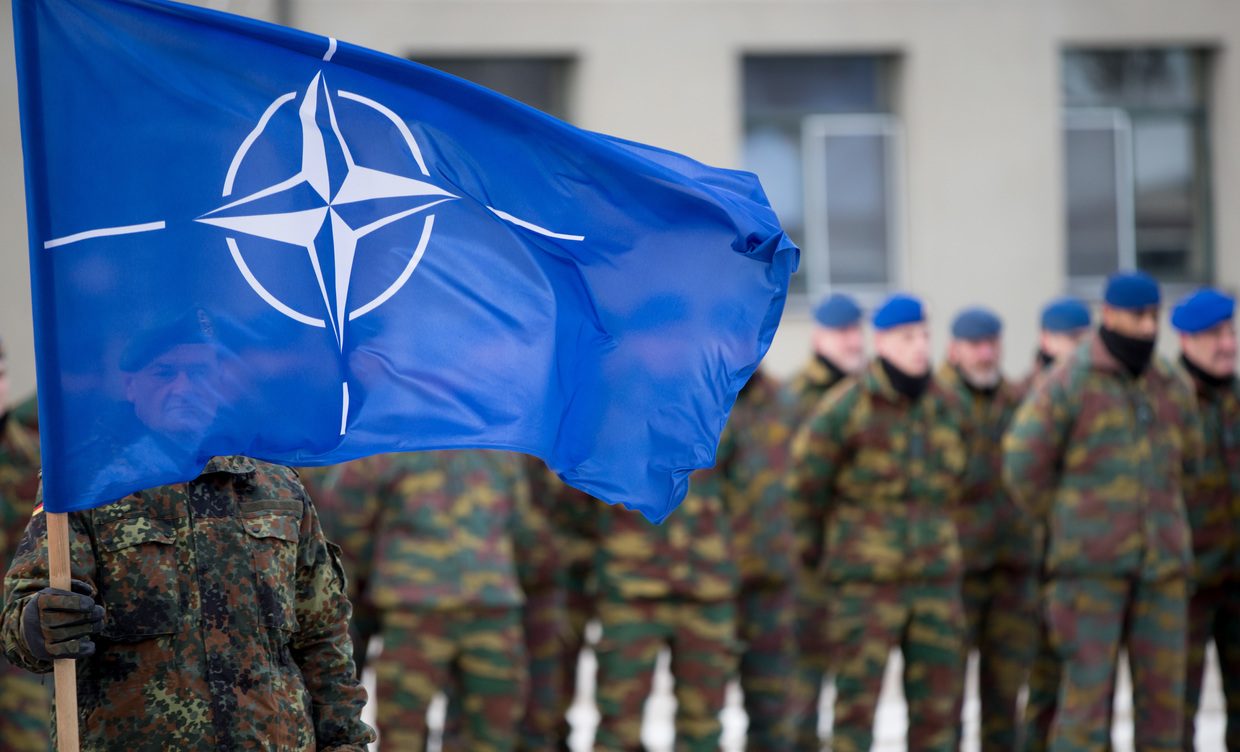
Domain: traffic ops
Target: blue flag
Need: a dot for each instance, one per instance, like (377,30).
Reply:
(246,239)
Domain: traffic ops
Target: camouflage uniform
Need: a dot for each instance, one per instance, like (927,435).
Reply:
(1000,580)
(881,474)
(1100,457)
(445,584)
(812,592)
(575,521)
(227,622)
(1214,514)
(671,585)
(753,456)
(25,701)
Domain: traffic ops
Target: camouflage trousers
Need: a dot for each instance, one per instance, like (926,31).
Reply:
(25,710)
(765,623)
(478,652)
(813,662)
(702,640)
(1214,614)
(545,621)
(1001,623)
(1089,619)
(1044,675)
(926,621)
(580,607)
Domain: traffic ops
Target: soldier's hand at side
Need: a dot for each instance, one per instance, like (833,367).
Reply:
(58,623)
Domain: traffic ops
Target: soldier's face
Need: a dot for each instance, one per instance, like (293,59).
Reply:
(4,386)
(978,360)
(1214,350)
(178,393)
(1060,345)
(906,347)
(1138,323)
(843,347)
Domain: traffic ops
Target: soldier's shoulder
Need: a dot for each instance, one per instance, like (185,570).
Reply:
(280,481)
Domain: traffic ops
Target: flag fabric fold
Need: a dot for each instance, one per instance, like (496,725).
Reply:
(247,239)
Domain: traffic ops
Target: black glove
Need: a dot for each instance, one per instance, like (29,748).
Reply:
(58,624)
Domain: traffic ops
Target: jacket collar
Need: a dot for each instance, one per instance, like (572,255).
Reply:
(233,464)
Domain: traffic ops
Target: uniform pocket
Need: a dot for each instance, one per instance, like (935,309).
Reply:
(273,537)
(138,580)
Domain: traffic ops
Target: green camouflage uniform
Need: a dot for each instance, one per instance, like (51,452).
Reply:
(575,521)
(812,593)
(752,457)
(672,585)
(1214,515)
(25,701)
(881,474)
(226,619)
(997,541)
(1101,458)
(445,584)
(26,412)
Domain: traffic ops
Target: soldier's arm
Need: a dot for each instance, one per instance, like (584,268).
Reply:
(1193,452)
(817,451)
(321,646)
(1033,447)
(29,574)
(533,537)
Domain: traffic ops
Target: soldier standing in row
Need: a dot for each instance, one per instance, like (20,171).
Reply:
(1103,452)
(753,457)
(672,585)
(575,523)
(879,465)
(1066,322)
(25,701)
(996,538)
(839,350)
(1206,323)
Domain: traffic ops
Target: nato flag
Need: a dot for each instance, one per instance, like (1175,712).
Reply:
(246,239)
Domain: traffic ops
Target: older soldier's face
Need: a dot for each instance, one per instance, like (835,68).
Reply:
(845,348)
(1214,350)
(177,394)
(906,347)
(978,360)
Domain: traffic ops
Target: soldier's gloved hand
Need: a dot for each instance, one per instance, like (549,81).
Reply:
(58,624)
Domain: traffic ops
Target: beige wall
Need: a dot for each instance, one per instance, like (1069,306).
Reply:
(978,99)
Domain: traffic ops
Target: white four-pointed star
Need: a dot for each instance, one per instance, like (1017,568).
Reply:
(300,228)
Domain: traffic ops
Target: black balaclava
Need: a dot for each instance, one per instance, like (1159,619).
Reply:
(1134,353)
(910,386)
(1211,381)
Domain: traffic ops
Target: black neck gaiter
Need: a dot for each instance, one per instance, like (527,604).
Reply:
(837,373)
(1045,361)
(910,386)
(1134,353)
(1211,382)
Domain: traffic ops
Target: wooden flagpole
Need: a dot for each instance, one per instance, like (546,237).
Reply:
(66,669)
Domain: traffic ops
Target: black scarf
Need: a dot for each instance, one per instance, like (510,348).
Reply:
(836,372)
(1134,353)
(910,386)
(1211,382)
(1045,361)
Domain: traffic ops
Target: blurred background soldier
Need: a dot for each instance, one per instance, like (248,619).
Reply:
(444,583)
(1066,322)
(1206,323)
(753,457)
(996,538)
(25,702)
(672,585)
(1103,451)
(839,350)
(880,463)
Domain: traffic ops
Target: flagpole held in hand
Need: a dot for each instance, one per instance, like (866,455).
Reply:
(66,668)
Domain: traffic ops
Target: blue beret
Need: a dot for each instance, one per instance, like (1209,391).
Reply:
(1132,290)
(837,312)
(1065,315)
(898,310)
(1202,310)
(976,323)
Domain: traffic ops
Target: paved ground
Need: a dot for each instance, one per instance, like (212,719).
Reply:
(891,723)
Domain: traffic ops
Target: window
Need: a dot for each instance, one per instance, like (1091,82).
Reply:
(1136,165)
(540,82)
(820,134)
